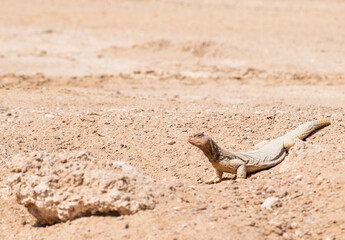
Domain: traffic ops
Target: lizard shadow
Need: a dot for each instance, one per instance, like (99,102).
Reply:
(228,178)
(234,177)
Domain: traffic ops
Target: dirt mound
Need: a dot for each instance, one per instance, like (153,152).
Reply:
(56,187)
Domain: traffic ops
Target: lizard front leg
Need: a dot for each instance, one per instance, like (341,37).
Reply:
(217,178)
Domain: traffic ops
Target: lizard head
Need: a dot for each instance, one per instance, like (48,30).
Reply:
(206,144)
(199,140)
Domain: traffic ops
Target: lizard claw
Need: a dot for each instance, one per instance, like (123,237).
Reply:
(214,180)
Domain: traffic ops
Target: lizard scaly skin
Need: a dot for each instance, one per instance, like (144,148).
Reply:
(241,163)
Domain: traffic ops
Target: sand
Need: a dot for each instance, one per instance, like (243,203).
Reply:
(130,80)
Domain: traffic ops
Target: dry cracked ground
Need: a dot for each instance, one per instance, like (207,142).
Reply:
(130,80)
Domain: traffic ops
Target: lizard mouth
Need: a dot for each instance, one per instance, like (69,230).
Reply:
(191,140)
(196,139)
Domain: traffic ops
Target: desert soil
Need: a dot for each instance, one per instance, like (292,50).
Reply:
(130,80)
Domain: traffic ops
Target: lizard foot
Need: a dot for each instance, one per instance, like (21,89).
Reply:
(214,180)
(240,179)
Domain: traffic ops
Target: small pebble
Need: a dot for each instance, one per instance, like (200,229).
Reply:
(270,190)
(171,142)
(202,208)
(308,220)
(298,177)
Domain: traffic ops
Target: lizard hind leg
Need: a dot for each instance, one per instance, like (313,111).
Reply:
(260,144)
(241,172)
(288,143)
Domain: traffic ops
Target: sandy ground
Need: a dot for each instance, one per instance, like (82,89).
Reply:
(130,80)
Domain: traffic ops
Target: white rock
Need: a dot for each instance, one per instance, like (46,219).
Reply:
(269,202)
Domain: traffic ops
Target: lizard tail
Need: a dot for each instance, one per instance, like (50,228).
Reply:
(302,131)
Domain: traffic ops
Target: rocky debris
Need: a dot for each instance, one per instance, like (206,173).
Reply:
(57,187)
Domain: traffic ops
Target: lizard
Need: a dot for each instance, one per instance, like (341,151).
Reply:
(268,153)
